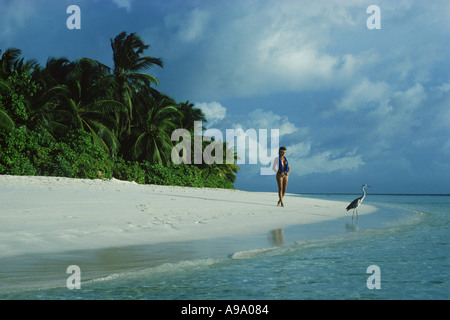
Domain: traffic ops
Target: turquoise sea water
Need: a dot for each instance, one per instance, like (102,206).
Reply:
(408,238)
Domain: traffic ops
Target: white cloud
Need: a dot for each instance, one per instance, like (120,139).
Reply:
(299,150)
(441,98)
(123,4)
(188,27)
(365,94)
(308,160)
(326,162)
(411,98)
(445,87)
(260,119)
(403,115)
(269,46)
(257,149)
(214,112)
(265,47)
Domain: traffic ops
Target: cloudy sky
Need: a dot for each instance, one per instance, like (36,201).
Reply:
(353,105)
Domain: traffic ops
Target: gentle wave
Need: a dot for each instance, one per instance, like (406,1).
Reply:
(163,268)
(148,272)
(248,254)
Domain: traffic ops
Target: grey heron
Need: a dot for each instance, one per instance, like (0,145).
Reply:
(355,203)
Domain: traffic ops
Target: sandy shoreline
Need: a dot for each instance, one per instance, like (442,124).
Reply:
(50,214)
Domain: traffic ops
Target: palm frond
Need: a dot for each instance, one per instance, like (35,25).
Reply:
(6,123)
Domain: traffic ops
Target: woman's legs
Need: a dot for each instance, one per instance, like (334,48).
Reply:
(285,182)
(280,182)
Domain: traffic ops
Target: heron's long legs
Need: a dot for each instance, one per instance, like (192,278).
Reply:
(353,215)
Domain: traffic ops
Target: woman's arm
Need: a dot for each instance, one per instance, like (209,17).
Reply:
(275,165)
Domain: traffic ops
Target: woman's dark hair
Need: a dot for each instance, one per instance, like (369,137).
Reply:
(282,149)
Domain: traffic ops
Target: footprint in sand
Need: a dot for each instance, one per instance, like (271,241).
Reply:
(144,208)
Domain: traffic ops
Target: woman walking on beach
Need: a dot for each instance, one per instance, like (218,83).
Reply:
(281,167)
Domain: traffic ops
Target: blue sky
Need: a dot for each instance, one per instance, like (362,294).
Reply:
(352,105)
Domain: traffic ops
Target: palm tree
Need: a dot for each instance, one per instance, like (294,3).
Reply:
(52,80)
(189,114)
(57,71)
(95,118)
(152,136)
(90,106)
(128,64)
(76,96)
(7,61)
(17,88)
(224,170)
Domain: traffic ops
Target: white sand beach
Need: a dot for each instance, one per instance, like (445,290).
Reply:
(50,214)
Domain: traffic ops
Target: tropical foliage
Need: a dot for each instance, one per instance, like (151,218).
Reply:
(88,120)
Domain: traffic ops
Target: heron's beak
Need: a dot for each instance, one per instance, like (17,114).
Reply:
(369,186)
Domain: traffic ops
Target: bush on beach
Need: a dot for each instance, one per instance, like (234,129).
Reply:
(35,153)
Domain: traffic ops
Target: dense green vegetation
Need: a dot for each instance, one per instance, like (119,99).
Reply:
(83,119)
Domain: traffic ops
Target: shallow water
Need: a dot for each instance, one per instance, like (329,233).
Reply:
(407,238)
